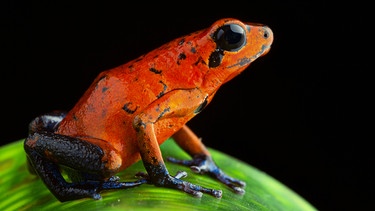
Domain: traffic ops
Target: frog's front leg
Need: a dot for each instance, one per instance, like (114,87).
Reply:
(47,152)
(202,161)
(178,103)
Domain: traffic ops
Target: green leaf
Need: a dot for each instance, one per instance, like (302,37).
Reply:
(20,190)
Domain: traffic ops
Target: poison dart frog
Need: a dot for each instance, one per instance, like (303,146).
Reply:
(131,109)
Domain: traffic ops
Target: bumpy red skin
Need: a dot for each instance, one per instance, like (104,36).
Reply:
(130,110)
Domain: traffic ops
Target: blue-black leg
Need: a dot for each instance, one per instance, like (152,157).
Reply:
(175,182)
(49,172)
(47,152)
(201,159)
(47,122)
(204,164)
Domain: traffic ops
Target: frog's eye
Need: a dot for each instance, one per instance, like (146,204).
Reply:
(231,37)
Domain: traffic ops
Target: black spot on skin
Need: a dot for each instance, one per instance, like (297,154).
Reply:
(193,50)
(201,106)
(163,112)
(155,70)
(180,57)
(131,68)
(181,41)
(104,89)
(200,60)
(75,118)
(163,91)
(126,108)
(154,160)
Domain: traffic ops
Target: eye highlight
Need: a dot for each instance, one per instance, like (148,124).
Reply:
(230,37)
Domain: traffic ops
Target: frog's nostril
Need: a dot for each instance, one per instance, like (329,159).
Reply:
(266,34)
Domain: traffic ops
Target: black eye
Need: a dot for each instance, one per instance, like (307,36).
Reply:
(230,37)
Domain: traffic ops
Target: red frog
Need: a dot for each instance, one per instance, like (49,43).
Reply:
(130,110)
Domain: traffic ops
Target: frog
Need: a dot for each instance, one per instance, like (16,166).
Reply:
(130,110)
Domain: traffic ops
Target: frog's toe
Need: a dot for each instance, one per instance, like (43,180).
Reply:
(236,185)
(96,196)
(196,169)
(230,181)
(114,179)
(181,174)
(190,188)
(239,190)
(241,183)
(181,162)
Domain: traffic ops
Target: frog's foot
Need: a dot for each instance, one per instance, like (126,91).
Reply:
(203,164)
(114,183)
(176,183)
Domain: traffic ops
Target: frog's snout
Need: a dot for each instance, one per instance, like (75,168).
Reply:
(268,38)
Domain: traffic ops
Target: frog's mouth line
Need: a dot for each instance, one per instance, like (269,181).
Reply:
(244,61)
(265,50)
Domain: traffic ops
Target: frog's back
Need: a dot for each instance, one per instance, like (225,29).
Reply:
(117,95)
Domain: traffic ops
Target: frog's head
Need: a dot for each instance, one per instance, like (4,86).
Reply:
(236,45)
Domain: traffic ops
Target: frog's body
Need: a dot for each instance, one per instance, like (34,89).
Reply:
(130,110)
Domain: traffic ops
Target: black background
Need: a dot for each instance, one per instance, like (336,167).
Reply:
(298,114)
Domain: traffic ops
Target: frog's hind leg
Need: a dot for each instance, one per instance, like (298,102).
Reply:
(46,122)
(47,151)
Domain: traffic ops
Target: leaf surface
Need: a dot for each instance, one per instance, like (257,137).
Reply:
(19,190)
